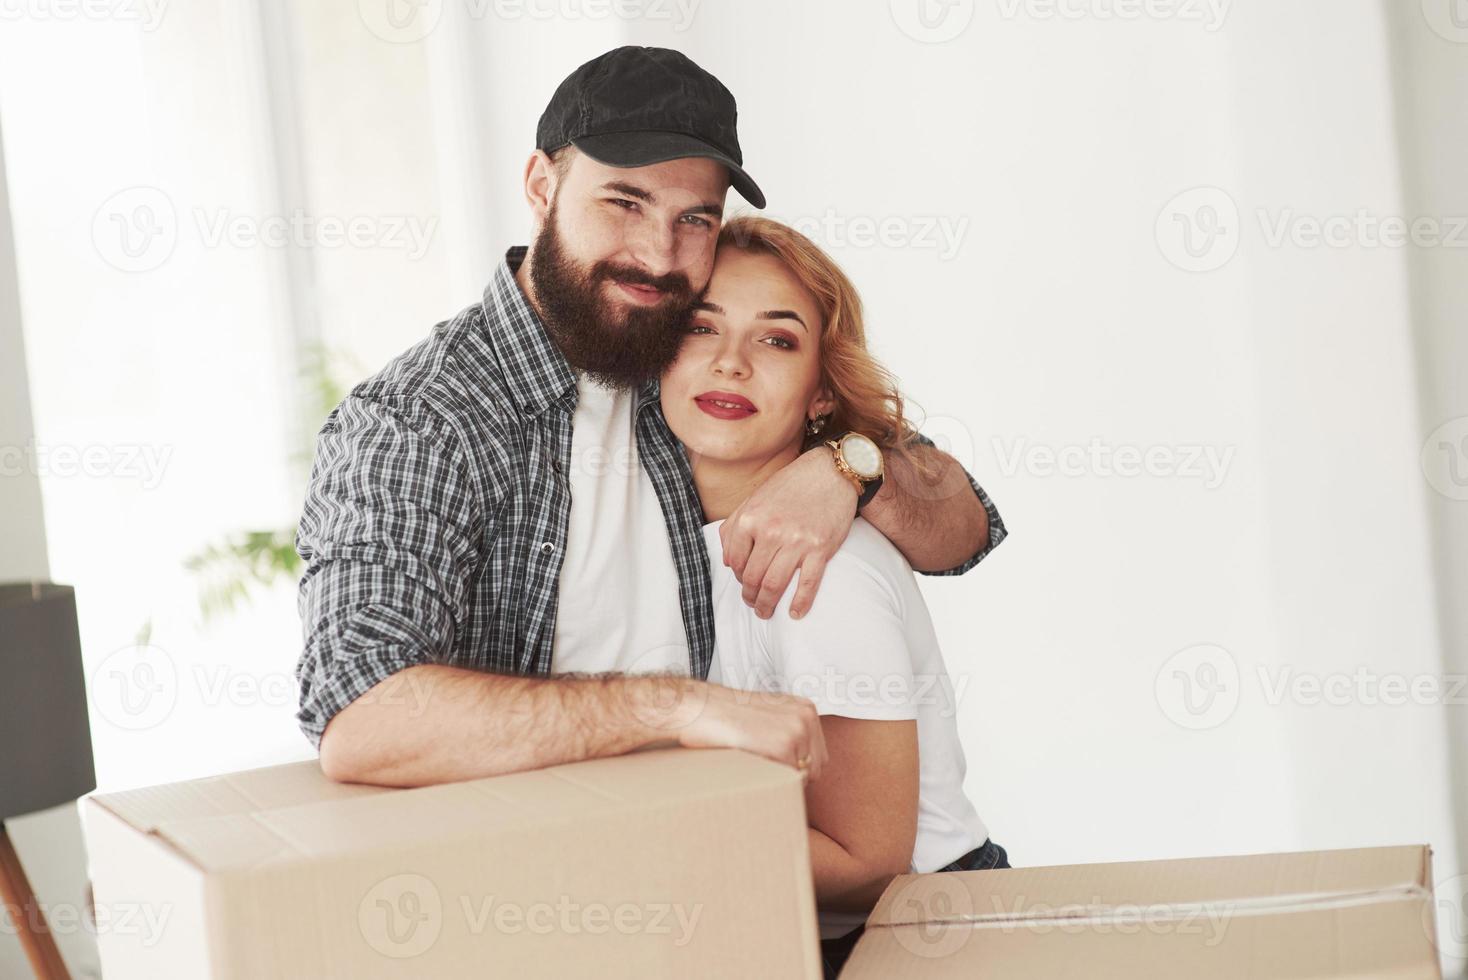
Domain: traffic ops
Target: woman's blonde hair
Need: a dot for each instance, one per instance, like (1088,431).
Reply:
(866,394)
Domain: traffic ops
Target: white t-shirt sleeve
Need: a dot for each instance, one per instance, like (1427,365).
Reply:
(849,653)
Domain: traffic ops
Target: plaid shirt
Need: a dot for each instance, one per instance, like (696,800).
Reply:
(436,512)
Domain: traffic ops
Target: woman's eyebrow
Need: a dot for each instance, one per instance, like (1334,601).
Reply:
(718,310)
(783,315)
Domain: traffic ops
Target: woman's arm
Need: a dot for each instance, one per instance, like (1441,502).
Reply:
(863,810)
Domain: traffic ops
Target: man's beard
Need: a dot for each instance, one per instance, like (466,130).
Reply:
(617,349)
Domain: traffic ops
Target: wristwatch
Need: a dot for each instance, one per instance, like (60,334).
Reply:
(860,460)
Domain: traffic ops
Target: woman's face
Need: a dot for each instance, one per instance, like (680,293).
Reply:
(754,344)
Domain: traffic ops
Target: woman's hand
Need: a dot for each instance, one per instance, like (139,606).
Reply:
(795,521)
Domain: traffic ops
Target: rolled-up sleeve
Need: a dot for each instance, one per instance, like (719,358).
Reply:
(997,531)
(388,538)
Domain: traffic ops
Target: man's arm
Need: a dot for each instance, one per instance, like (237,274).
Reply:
(939,526)
(437,724)
(390,535)
(798,518)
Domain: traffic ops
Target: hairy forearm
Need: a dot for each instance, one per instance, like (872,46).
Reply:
(936,524)
(434,723)
(844,882)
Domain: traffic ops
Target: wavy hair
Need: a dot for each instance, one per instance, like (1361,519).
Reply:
(866,394)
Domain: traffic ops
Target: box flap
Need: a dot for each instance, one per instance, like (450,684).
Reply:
(282,814)
(1350,913)
(1262,881)
(247,791)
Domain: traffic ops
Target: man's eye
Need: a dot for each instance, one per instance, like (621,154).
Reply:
(623,203)
(698,221)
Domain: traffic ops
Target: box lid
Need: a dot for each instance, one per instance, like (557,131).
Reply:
(1360,912)
(290,813)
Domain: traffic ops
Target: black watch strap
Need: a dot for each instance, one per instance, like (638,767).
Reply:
(868,492)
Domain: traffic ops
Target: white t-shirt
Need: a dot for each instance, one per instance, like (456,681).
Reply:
(866,649)
(618,605)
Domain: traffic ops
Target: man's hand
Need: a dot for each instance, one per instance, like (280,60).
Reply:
(796,520)
(778,726)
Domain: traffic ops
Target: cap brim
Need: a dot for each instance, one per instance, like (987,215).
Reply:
(642,149)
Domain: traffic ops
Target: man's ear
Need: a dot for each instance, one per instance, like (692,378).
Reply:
(540,183)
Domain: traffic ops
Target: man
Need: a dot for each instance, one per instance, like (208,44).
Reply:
(505,567)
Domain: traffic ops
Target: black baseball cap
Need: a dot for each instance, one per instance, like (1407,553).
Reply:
(635,106)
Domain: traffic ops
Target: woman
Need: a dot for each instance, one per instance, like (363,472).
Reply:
(774,361)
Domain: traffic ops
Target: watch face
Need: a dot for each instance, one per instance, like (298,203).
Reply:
(862,455)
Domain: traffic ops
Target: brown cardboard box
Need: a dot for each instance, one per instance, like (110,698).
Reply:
(668,862)
(1354,913)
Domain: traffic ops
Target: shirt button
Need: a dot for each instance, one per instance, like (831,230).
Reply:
(547,547)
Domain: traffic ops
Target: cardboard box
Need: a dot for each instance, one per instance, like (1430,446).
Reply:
(1353,913)
(667,862)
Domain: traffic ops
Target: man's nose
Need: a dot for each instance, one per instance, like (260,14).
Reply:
(654,246)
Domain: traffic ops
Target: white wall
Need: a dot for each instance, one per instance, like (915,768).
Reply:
(1431,62)
(1058,144)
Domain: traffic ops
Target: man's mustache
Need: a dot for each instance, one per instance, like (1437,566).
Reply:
(675,283)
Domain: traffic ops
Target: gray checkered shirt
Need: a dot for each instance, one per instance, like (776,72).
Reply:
(436,513)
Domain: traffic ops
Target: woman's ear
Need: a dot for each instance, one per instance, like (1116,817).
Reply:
(822,404)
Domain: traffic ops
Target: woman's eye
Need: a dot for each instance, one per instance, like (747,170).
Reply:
(783,343)
(697,327)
